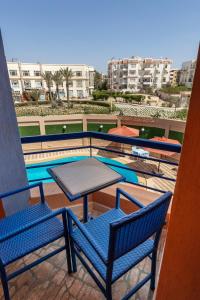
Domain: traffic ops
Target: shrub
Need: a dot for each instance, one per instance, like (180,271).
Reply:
(31,103)
(175,89)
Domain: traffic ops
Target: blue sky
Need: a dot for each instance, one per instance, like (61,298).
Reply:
(93,31)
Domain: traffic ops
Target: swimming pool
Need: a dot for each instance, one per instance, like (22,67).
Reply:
(38,173)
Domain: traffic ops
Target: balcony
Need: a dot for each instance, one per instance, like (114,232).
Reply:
(50,280)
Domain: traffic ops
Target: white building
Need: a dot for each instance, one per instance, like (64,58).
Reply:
(27,76)
(187,73)
(137,73)
(174,77)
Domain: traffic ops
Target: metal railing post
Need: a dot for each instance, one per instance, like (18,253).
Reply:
(90,147)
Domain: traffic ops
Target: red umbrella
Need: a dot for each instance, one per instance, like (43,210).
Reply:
(163,140)
(124,131)
(163,152)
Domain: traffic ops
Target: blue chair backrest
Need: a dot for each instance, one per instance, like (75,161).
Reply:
(132,230)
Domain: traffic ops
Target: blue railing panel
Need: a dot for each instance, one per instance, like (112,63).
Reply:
(108,137)
(102,136)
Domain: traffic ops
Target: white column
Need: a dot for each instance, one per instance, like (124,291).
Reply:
(12,167)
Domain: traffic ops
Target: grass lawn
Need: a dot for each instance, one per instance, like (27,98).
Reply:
(176,136)
(29,130)
(148,133)
(53,129)
(95,127)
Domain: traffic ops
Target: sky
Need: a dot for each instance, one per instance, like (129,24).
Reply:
(94,31)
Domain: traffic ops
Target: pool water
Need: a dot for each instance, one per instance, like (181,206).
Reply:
(37,174)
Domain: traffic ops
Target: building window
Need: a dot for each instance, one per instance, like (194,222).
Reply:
(37,73)
(25,73)
(70,83)
(15,83)
(79,93)
(79,83)
(27,84)
(132,86)
(78,73)
(13,72)
(131,72)
(133,65)
(70,93)
(62,93)
(38,84)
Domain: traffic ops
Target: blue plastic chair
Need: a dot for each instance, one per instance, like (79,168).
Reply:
(115,242)
(29,230)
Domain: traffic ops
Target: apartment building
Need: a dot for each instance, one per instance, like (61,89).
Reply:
(27,76)
(174,77)
(137,73)
(187,72)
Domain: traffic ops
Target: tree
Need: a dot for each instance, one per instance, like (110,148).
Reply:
(57,77)
(48,77)
(104,84)
(97,80)
(100,81)
(35,95)
(67,74)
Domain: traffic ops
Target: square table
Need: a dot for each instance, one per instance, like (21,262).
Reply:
(81,178)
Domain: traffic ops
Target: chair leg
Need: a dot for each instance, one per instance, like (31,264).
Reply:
(108,291)
(69,264)
(5,284)
(73,254)
(67,245)
(153,270)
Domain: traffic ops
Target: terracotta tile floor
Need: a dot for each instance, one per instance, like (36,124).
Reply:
(50,280)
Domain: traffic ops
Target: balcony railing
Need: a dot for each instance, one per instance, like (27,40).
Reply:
(91,137)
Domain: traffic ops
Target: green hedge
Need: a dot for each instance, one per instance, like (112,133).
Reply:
(31,103)
(175,89)
(106,94)
(132,97)
(90,102)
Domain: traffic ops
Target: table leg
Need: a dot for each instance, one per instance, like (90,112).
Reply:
(159,167)
(85,208)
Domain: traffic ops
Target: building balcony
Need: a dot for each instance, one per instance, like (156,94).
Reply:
(50,280)
(147,75)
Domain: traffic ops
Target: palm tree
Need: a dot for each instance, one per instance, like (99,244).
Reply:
(58,79)
(67,74)
(48,77)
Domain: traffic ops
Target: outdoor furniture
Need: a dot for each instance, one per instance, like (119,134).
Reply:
(140,152)
(28,230)
(115,242)
(81,178)
(162,153)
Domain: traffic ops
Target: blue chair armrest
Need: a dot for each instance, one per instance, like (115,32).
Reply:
(129,197)
(28,187)
(86,233)
(32,224)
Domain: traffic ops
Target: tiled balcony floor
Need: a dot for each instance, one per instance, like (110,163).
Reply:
(50,280)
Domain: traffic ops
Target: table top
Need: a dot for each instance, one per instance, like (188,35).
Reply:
(83,177)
